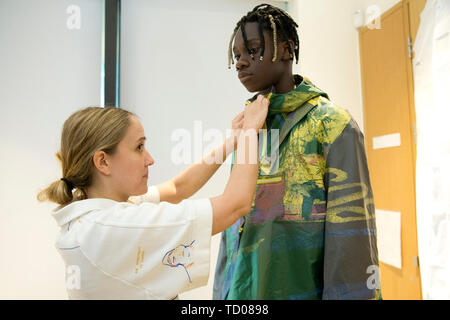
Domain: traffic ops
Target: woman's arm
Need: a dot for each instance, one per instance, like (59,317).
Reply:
(237,197)
(188,182)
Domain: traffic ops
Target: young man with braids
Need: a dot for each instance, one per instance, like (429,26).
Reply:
(311,230)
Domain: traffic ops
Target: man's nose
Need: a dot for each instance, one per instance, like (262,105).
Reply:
(242,64)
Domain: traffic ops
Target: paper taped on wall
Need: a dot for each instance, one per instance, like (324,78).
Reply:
(387,141)
(389,237)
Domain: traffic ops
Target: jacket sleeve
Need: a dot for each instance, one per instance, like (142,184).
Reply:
(350,256)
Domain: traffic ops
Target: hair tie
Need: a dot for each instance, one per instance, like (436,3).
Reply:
(69,184)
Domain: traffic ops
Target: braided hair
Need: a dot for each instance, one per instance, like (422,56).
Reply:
(269,18)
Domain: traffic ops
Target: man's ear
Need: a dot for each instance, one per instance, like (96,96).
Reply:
(284,52)
(102,163)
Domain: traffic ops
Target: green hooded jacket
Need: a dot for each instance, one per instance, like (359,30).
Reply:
(311,230)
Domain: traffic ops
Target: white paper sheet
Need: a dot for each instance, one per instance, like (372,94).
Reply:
(386,141)
(389,237)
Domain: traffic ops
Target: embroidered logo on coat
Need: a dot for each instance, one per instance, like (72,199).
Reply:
(180,257)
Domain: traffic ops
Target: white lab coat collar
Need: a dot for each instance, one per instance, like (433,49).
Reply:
(78,208)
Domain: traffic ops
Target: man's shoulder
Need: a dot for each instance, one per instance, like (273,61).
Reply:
(326,110)
(326,119)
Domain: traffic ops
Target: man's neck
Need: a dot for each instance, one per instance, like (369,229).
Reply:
(285,85)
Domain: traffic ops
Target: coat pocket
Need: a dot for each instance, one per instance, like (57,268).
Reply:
(268,202)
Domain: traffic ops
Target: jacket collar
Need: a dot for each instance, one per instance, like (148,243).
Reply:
(304,91)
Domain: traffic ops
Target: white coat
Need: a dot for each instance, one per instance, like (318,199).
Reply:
(140,250)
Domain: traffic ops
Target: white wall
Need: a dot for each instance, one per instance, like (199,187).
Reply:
(329,48)
(46,72)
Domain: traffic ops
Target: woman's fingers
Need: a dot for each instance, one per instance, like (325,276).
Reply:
(238,121)
(255,113)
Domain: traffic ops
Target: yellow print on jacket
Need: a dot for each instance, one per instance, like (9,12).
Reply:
(139,260)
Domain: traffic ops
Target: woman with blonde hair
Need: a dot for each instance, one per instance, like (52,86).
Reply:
(125,241)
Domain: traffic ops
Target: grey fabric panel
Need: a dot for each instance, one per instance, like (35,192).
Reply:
(350,244)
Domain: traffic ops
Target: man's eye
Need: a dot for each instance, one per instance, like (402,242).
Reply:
(253,50)
(140,147)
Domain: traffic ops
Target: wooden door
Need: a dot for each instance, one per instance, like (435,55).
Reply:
(387,83)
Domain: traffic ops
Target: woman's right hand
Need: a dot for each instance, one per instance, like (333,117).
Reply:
(255,113)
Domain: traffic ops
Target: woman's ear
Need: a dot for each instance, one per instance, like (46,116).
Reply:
(102,163)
